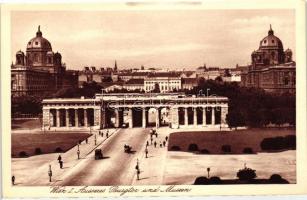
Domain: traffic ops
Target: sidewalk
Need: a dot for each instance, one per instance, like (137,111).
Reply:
(38,166)
(152,168)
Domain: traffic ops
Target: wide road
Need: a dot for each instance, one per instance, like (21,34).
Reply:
(117,168)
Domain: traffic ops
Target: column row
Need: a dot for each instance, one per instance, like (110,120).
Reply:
(70,117)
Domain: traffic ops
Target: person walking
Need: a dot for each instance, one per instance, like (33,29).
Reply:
(146,152)
(166,138)
(138,174)
(107,134)
(86,140)
(78,153)
(59,158)
(61,164)
(164,143)
(151,141)
(13,180)
(160,144)
(155,143)
(147,144)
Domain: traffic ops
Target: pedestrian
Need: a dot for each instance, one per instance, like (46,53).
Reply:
(78,153)
(160,144)
(107,134)
(13,180)
(156,134)
(86,140)
(101,133)
(147,144)
(155,144)
(166,138)
(164,143)
(61,164)
(146,152)
(59,158)
(151,141)
(138,174)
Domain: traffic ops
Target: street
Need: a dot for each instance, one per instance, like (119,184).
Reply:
(117,168)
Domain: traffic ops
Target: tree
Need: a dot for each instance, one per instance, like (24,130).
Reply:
(246,174)
(235,118)
(156,88)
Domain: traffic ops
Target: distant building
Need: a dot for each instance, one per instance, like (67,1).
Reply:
(167,82)
(91,74)
(126,76)
(40,70)
(189,83)
(134,84)
(272,68)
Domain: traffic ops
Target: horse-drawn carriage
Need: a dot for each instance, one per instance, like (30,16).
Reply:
(127,148)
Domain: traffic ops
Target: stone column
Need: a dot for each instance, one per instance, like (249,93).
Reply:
(130,118)
(85,117)
(116,118)
(76,118)
(67,117)
(57,118)
(224,112)
(46,118)
(97,117)
(195,116)
(213,116)
(204,116)
(175,118)
(144,120)
(158,118)
(186,120)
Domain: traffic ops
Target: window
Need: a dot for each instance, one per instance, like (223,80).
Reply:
(273,41)
(36,43)
(264,41)
(29,43)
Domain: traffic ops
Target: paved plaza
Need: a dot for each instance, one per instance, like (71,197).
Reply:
(160,167)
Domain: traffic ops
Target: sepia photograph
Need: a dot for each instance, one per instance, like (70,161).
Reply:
(173,98)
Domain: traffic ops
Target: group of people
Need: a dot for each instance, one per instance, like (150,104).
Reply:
(101,133)
(152,133)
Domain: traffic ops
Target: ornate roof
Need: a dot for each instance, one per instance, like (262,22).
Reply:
(39,42)
(271,41)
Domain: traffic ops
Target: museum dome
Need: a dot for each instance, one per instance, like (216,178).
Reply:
(271,41)
(39,42)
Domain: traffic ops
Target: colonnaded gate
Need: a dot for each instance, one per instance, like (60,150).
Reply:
(135,110)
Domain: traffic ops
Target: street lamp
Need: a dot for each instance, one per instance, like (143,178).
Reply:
(50,173)
(208,170)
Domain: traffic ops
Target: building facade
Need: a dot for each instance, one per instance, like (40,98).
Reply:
(272,68)
(167,82)
(115,110)
(40,70)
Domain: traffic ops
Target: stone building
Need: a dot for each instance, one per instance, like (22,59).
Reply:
(115,110)
(40,70)
(272,68)
(166,81)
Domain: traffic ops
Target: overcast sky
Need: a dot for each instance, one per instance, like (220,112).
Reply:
(169,39)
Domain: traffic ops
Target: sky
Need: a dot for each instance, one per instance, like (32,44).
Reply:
(168,39)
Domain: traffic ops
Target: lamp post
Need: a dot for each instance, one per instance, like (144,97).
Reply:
(208,171)
(50,173)
(208,91)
